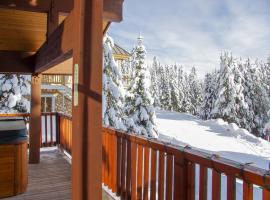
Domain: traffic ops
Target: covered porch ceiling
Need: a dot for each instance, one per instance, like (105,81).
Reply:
(36,36)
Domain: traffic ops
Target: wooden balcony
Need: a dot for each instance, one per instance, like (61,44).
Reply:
(134,167)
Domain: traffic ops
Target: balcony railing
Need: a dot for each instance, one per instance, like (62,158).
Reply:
(138,168)
(56,79)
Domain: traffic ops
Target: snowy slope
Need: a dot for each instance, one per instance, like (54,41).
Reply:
(213,136)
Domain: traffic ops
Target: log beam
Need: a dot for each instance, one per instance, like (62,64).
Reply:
(87,125)
(112,9)
(44,6)
(57,48)
(35,120)
(16,62)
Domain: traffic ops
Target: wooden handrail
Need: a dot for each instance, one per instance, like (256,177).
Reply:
(132,165)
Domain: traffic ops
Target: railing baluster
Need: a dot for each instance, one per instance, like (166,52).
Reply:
(203,183)
(247,191)
(114,163)
(139,172)
(133,171)
(231,195)
(190,167)
(153,186)
(128,178)
(119,157)
(51,126)
(216,185)
(180,190)
(146,173)
(169,172)
(107,160)
(266,194)
(161,175)
(110,153)
(46,134)
(123,168)
(103,156)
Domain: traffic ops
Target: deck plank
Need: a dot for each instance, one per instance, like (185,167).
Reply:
(50,179)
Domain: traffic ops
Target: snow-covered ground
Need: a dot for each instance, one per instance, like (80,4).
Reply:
(213,136)
(218,137)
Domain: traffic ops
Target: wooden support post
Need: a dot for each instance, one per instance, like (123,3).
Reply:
(35,120)
(87,108)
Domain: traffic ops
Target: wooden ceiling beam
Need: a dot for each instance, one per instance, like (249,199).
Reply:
(57,48)
(16,62)
(59,44)
(64,6)
(112,9)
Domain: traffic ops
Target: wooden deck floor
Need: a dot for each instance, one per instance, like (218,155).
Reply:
(49,180)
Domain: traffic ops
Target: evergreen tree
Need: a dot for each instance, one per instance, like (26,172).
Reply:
(165,96)
(209,96)
(174,90)
(14,90)
(113,92)
(140,109)
(225,104)
(195,88)
(154,73)
(260,100)
(186,101)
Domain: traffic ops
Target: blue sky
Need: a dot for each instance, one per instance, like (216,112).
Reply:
(194,32)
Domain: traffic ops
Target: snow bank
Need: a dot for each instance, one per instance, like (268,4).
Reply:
(213,136)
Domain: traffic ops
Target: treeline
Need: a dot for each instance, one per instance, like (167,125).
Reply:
(174,89)
(238,92)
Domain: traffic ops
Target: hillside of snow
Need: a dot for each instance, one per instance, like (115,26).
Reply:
(213,136)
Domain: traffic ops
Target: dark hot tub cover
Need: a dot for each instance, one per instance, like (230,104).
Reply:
(12,131)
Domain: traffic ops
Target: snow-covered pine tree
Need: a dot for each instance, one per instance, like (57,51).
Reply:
(113,92)
(180,86)
(154,73)
(241,105)
(195,88)
(186,100)
(260,100)
(225,104)
(165,95)
(14,90)
(140,109)
(173,82)
(209,96)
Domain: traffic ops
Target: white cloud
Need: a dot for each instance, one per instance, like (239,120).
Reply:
(194,32)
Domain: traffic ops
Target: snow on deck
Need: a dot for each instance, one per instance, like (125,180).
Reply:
(213,136)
